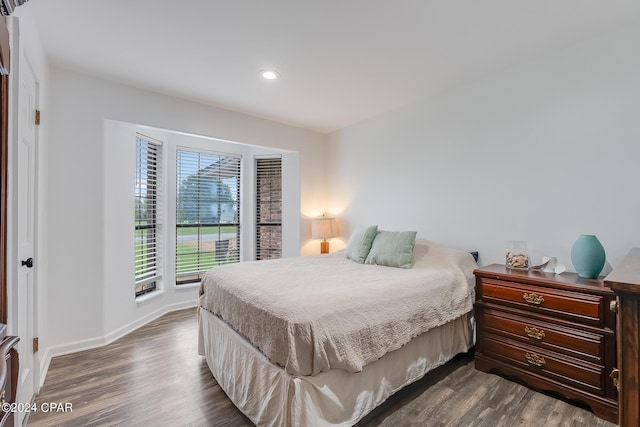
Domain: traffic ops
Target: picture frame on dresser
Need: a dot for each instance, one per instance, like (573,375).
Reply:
(551,332)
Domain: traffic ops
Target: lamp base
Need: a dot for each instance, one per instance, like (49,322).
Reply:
(324,247)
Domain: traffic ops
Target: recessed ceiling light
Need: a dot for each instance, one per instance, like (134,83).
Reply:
(270,74)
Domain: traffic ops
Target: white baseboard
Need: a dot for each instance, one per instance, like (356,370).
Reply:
(88,344)
(45,361)
(124,330)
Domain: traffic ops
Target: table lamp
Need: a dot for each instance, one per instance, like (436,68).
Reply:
(323,228)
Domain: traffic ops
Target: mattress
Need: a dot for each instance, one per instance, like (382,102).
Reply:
(316,314)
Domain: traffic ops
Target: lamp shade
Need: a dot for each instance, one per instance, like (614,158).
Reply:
(323,228)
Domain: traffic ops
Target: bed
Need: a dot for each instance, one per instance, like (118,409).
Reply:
(323,340)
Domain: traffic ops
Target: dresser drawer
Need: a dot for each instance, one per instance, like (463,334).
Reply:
(563,369)
(585,308)
(572,342)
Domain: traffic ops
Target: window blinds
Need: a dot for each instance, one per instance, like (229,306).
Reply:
(147,214)
(207,212)
(268,208)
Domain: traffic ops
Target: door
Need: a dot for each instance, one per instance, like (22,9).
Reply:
(26,232)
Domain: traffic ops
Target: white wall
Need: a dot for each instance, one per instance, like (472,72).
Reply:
(84,206)
(542,152)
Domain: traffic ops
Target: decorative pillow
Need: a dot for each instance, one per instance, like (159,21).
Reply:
(360,242)
(392,248)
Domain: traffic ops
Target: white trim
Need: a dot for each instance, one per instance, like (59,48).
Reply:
(149,138)
(149,296)
(20,61)
(45,361)
(187,286)
(141,321)
(12,172)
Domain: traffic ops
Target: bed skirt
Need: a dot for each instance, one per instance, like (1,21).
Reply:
(269,396)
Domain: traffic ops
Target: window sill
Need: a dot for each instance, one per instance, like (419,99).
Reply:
(149,296)
(187,286)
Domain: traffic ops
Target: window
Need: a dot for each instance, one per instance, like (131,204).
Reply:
(268,208)
(207,212)
(147,214)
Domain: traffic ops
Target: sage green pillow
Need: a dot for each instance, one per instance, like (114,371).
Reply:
(360,242)
(392,249)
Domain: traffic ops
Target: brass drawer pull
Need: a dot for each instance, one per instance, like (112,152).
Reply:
(534,332)
(615,376)
(533,298)
(534,359)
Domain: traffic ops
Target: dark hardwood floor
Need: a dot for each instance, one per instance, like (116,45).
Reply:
(154,377)
(151,377)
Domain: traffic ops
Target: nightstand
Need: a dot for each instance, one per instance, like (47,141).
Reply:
(551,332)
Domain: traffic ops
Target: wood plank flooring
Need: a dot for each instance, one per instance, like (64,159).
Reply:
(154,377)
(458,395)
(151,377)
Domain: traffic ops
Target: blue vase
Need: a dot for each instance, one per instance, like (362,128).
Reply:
(587,256)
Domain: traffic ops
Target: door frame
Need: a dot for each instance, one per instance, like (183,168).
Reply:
(4,164)
(20,59)
(7,7)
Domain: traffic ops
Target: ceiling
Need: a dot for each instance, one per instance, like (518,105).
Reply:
(341,61)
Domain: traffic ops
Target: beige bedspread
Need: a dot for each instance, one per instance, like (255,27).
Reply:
(316,313)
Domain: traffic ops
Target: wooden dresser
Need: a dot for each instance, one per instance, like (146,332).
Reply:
(625,282)
(551,332)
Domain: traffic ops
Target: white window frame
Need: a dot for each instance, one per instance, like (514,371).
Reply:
(148,167)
